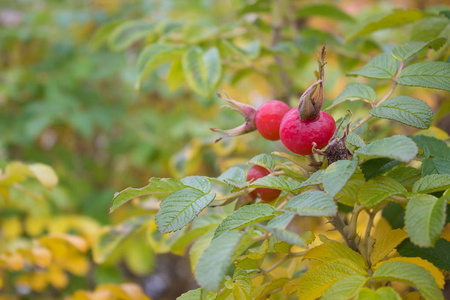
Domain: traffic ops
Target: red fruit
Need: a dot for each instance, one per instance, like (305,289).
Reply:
(268,119)
(265,194)
(298,135)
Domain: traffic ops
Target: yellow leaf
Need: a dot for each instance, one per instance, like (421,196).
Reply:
(57,277)
(34,226)
(38,282)
(434,271)
(386,243)
(74,240)
(11,228)
(317,280)
(78,265)
(42,256)
(45,174)
(134,291)
(435,132)
(14,261)
(381,228)
(413,296)
(333,250)
(4,191)
(16,171)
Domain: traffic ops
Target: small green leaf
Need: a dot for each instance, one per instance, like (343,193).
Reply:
(315,179)
(283,183)
(202,70)
(315,203)
(383,293)
(323,10)
(429,74)
(432,183)
(128,33)
(382,66)
(374,191)
(157,187)
(397,147)
(405,175)
(235,174)
(425,219)
(281,221)
(111,237)
(439,255)
(286,236)
(249,51)
(180,208)
(345,288)
(102,34)
(191,295)
(355,140)
(432,146)
(197,182)
(378,166)
(264,160)
(393,19)
(355,91)
(265,290)
(411,274)
(337,174)
(430,28)
(435,166)
(244,216)
(408,49)
(405,109)
(212,265)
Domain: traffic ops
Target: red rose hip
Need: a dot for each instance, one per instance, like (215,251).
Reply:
(299,135)
(268,119)
(265,194)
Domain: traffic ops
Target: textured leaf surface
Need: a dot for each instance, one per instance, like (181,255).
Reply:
(157,187)
(315,203)
(356,91)
(191,295)
(244,216)
(383,293)
(439,255)
(432,146)
(287,236)
(334,250)
(432,183)
(434,271)
(345,288)
(283,183)
(281,221)
(374,191)
(378,166)
(197,182)
(430,74)
(435,166)
(180,208)
(264,291)
(317,280)
(315,179)
(408,49)
(397,147)
(405,109)
(382,66)
(234,174)
(337,174)
(411,274)
(393,19)
(386,243)
(202,70)
(264,160)
(213,263)
(425,219)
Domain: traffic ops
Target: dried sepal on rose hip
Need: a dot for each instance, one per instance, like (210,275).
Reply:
(266,119)
(306,125)
(265,194)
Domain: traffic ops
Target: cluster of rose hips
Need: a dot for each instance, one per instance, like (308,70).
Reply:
(303,129)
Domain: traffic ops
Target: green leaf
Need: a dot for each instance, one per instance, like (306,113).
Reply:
(382,66)
(281,221)
(430,28)
(265,290)
(315,203)
(180,208)
(378,166)
(355,140)
(432,146)
(244,216)
(432,183)
(202,70)
(394,213)
(242,278)
(323,10)
(315,179)
(435,166)
(175,77)
(393,19)
(123,36)
(405,175)
(283,183)
(345,288)
(337,174)
(408,49)
(397,147)
(425,219)
(429,74)
(249,51)
(157,187)
(213,263)
(153,56)
(405,109)
(374,191)
(191,295)
(355,91)
(411,274)
(102,34)
(197,182)
(439,255)
(349,193)
(264,160)
(383,293)
(232,177)
(286,236)
(111,237)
